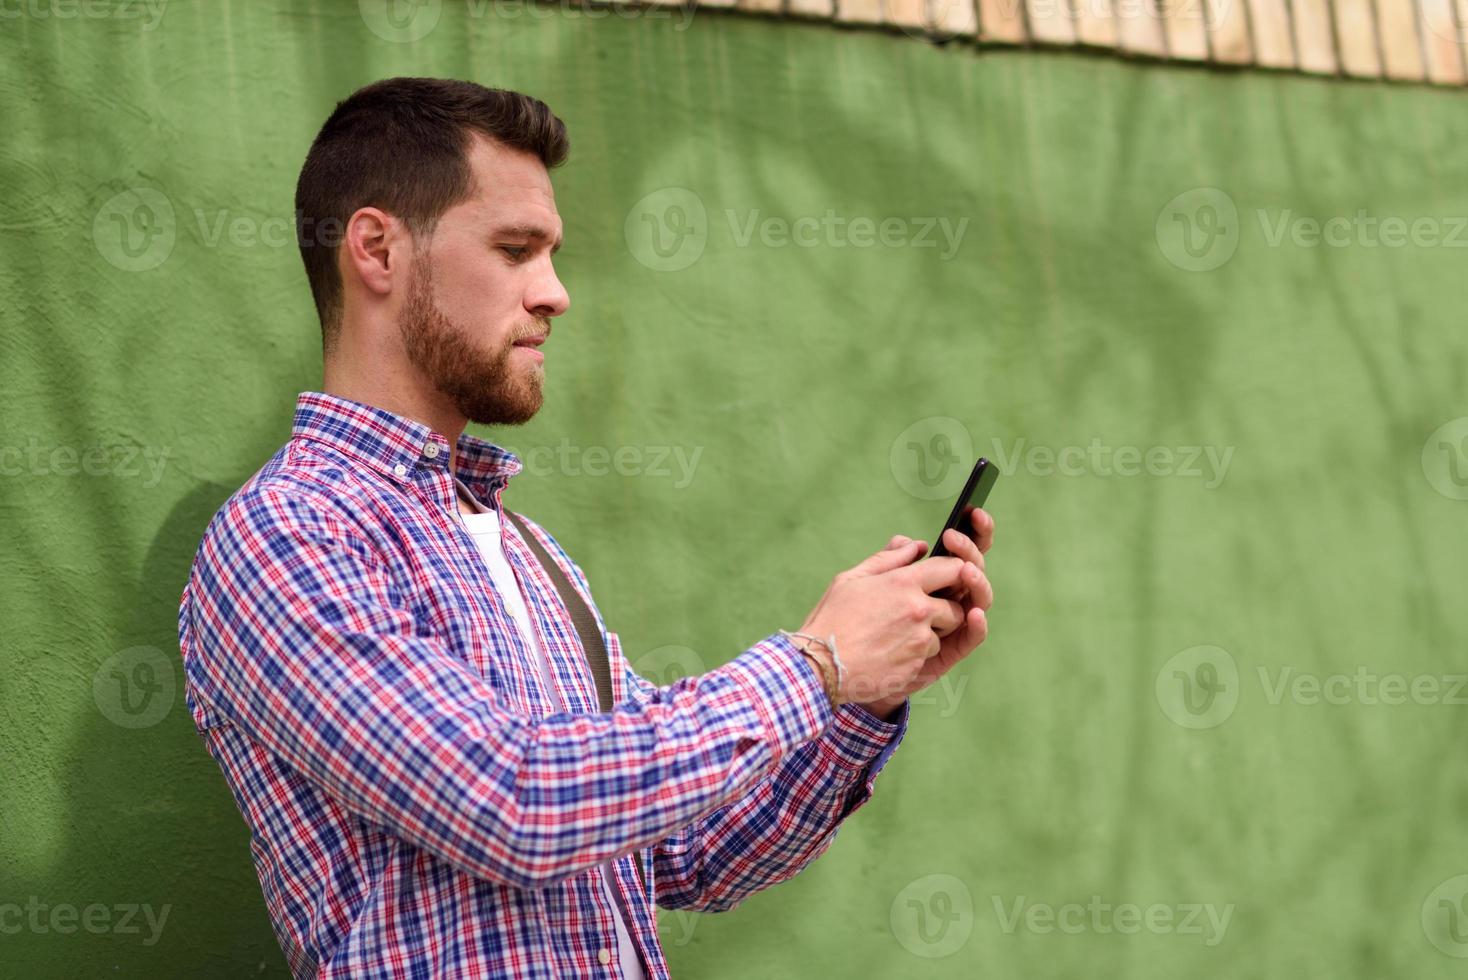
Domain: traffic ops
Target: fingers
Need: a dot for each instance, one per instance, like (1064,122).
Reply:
(972,630)
(975,631)
(973,588)
(945,615)
(938,573)
(983,526)
(901,541)
(980,592)
(891,557)
(961,545)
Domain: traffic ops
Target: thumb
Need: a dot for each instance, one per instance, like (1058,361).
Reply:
(891,557)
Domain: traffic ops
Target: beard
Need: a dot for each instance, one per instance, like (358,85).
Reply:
(483,386)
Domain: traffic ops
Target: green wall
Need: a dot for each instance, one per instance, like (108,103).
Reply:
(153,344)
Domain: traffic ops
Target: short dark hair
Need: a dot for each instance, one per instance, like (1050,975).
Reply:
(401,144)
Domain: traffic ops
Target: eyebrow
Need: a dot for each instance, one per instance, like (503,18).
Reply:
(528,231)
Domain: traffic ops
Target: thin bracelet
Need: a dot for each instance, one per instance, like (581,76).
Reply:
(830,644)
(826,672)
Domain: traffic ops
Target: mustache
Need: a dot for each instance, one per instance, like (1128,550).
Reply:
(542,327)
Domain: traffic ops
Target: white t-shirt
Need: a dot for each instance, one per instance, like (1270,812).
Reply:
(484,525)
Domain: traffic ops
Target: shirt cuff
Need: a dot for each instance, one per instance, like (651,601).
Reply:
(788,692)
(858,739)
(860,746)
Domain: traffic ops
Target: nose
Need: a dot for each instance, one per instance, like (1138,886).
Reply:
(546,296)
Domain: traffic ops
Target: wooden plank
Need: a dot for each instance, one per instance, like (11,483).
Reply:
(1002,21)
(1459,30)
(1442,42)
(1269,22)
(1443,20)
(1401,49)
(1314,43)
(859,11)
(1355,31)
(1228,32)
(1050,22)
(1095,23)
(910,15)
(1139,28)
(1187,37)
(1404,40)
(954,18)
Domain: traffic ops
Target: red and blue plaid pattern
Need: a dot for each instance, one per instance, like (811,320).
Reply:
(416,806)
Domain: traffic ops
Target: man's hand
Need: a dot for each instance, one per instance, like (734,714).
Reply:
(901,623)
(975,594)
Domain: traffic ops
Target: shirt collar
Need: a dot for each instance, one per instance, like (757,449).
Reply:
(395,446)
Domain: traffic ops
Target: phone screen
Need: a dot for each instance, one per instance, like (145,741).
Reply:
(975,492)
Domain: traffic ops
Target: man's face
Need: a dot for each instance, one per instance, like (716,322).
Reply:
(483,284)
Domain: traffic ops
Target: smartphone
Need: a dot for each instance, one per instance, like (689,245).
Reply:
(975,492)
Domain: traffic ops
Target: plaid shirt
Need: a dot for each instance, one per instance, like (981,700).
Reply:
(417,806)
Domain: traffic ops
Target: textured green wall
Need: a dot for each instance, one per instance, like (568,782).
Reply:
(153,343)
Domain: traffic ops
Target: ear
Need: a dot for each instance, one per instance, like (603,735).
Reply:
(374,250)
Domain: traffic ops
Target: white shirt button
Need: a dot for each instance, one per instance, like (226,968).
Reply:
(431,450)
(604,955)
(400,470)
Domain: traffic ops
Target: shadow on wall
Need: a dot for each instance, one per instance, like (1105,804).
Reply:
(152,833)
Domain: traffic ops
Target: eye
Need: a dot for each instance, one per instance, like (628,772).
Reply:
(515,251)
